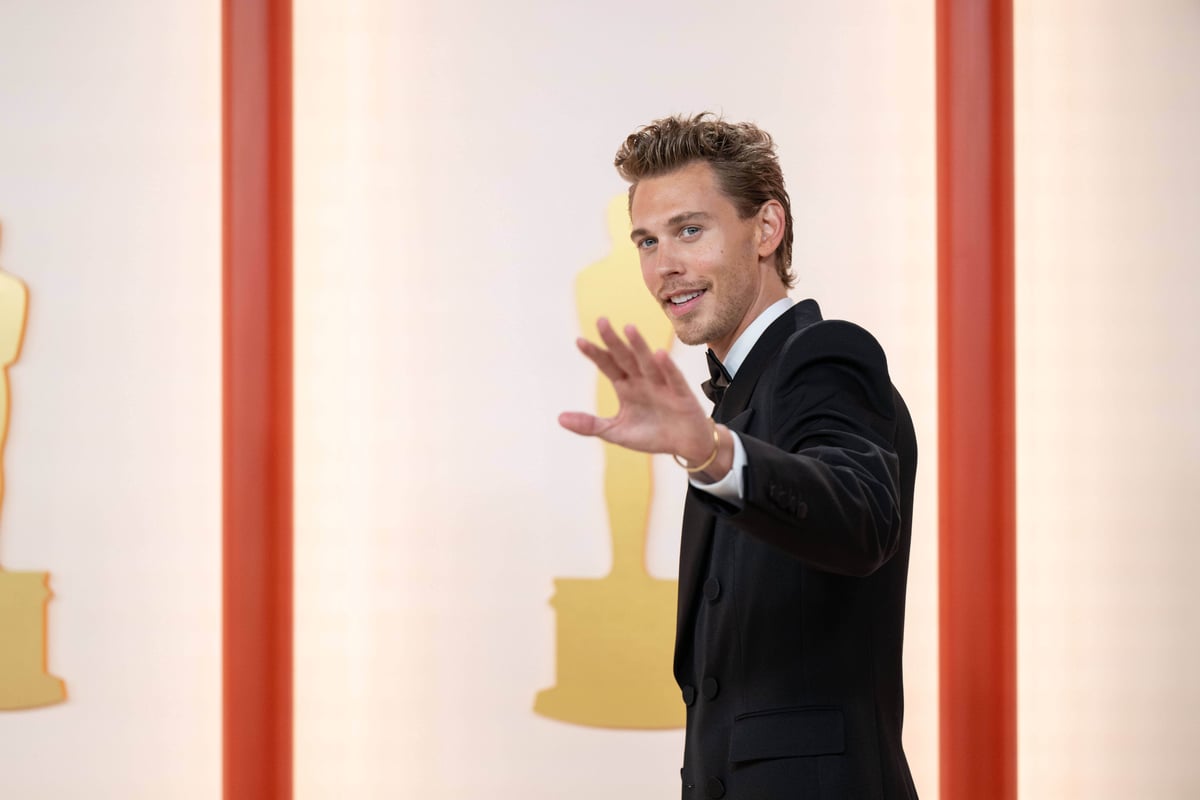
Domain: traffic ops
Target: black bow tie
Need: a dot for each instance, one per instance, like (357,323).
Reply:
(719,380)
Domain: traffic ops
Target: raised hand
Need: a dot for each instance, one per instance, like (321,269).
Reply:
(658,411)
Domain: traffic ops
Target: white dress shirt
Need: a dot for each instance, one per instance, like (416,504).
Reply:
(730,487)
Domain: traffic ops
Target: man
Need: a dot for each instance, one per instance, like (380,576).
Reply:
(796,529)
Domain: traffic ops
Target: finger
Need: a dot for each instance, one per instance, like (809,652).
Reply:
(601,358)
(645,359)
(582,423)
(621,354)
(672,374)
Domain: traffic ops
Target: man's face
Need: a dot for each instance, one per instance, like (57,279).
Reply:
(699,259)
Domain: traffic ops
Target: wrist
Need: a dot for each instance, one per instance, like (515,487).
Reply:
(723,459)
(702,455)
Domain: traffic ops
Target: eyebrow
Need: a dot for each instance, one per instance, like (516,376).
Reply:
(678,219)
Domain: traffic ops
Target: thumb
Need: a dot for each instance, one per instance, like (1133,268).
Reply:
(579,422)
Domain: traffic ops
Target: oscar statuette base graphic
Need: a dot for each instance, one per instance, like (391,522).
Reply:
(24,680)
(614,654)
(616,635)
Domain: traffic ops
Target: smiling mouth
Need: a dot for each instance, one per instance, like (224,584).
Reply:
(680,304)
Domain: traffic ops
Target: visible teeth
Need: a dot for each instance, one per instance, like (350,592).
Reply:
(683,298)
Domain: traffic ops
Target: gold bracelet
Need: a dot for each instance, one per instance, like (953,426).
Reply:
(710,460)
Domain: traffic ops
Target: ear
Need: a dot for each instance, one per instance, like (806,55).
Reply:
(770,227)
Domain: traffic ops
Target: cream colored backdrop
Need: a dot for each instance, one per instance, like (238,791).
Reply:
(453,171)
(1108,298)
(452,174)
(110,169)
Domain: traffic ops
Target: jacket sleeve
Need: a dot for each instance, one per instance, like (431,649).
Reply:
(822,484)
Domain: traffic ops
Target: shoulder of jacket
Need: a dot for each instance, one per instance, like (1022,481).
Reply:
(837,339)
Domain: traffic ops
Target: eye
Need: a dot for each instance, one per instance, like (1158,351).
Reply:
(690,231)
(647,243)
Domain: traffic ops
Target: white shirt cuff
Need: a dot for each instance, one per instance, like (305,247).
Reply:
(728,488)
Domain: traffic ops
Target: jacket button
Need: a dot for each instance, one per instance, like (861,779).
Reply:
(710,688)
(712,589)
(689,695)
(714,789)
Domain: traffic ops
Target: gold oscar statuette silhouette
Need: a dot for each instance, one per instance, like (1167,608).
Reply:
(616,634)
(24,681)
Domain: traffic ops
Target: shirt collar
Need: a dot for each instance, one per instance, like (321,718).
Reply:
(745,343)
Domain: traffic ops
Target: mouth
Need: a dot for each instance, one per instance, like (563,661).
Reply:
(681,303)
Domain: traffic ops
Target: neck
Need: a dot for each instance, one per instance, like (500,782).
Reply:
(769,294)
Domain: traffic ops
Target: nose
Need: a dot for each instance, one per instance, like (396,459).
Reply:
(667,260)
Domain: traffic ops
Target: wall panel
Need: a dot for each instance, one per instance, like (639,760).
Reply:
(1107,117)
(110,202)
(453,175)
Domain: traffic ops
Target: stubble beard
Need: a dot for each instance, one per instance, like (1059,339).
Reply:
(728,311)
(722,322)
(728,308)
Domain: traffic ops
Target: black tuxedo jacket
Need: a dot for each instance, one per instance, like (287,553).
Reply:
(791,608)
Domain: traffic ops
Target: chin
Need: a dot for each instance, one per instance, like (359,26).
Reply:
(690,334)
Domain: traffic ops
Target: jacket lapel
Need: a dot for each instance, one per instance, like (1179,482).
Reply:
(738,395)
(698,523)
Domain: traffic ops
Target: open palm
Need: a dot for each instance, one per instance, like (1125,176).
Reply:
(658,412)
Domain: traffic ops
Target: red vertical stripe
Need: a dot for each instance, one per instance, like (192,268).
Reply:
(976,397)
(257,83)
